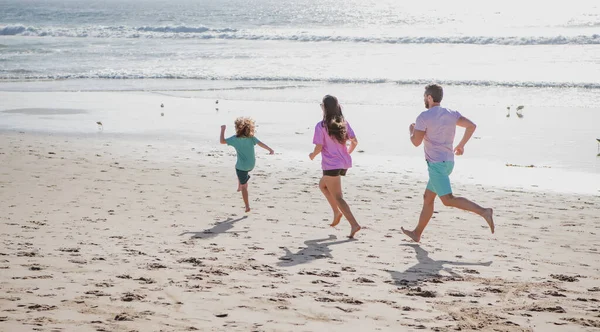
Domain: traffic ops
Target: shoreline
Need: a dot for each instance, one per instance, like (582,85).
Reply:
(189,122)
(469,171)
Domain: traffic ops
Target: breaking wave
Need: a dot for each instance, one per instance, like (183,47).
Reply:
(200,32)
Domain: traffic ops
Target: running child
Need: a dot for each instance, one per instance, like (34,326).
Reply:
(244,141)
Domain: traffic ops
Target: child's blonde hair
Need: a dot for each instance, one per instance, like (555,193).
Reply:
(244,127)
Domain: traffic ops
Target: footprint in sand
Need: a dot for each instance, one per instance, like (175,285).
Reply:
(129,297)
(566,278)
(145,281)
(556,309)
(96,293)
(41,307)
(329,274)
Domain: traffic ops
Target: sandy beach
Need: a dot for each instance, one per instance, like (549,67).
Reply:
(100,233)
(119,210)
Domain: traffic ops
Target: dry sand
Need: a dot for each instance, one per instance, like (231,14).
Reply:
(97,235)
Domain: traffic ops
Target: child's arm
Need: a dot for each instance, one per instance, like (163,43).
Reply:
(316,151)
(353,144)
(222,138)
(266,147)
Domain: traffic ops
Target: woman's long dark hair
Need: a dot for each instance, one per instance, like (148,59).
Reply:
(333,119)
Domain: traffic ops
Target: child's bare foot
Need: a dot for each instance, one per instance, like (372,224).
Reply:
(488,215)
(354,230)
(336,219)
(411,234)
(247,209)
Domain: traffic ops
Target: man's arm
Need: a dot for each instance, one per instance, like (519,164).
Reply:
(266,147)
(416,136)
(222,138)
(469,130)
(316,151)
(353,144)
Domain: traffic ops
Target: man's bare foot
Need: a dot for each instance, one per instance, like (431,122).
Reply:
(247,209)
(488,215)
(354,230)
(411,234)
(239,187)
(336,219)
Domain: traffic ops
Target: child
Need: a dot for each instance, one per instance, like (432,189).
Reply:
(330,139)
(244,142)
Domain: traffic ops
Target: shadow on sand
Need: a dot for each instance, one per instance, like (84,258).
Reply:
(219,228)
(315,249)
(427,268)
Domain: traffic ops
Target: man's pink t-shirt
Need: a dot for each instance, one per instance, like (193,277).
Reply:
(334,155)
(439,125)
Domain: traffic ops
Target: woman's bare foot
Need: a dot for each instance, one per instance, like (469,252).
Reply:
(336,219)
(488,215)
(354,230)
(411,234)
(247,209)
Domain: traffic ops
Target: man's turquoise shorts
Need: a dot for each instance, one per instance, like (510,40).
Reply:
(439,177)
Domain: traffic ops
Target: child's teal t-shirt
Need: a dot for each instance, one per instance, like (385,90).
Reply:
(244,147)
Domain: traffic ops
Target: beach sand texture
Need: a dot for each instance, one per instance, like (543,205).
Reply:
(99,236)
(119,210)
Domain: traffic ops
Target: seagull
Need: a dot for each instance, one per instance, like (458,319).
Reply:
(100,127)
(508,109)
(519,113)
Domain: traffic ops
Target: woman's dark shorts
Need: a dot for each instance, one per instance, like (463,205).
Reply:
(335,172)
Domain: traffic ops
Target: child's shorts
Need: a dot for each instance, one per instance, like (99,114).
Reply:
(335,172)
(243,176)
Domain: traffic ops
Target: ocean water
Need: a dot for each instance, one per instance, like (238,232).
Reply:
(375,55)
(466,42)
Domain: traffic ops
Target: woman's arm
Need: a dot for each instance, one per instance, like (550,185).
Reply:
(316,151)
(353,144)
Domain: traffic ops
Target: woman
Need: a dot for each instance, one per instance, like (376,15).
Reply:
(331,135)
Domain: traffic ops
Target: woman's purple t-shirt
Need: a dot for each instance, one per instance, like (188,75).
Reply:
(334,155)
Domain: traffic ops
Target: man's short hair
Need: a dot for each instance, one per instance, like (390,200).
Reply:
(435,91)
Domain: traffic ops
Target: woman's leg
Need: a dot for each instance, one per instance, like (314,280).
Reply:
(337,214)
(334,185)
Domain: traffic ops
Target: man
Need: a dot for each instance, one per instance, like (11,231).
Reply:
(436,127)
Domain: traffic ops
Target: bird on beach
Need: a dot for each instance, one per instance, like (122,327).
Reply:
(100,126)
(162,105)
(508,109)
(519,111)
(216,102)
